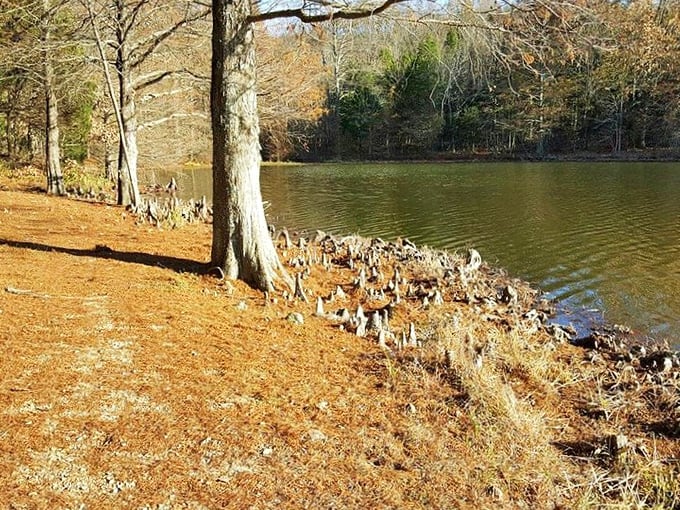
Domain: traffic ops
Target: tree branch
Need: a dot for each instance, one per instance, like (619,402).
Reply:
(154,40)
(151,79)
(173,116)
(340,13)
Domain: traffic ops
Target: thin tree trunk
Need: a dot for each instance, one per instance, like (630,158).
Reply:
(241,243)
(128,186)
(55,179)
(8,142)
(132,189)
(110,161)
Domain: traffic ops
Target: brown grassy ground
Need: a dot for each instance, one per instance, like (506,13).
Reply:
(130,380)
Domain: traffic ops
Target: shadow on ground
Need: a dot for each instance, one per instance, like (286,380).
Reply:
(104,252)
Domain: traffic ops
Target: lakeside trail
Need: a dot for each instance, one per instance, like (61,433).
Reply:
(129,379)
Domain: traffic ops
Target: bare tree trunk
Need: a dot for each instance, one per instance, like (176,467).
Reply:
(128,185)
(8,144)
(241,244)
(55,179)
(110,161)
(110,156)
(128,188)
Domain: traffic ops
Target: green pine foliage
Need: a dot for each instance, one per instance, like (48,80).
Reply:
(77,123)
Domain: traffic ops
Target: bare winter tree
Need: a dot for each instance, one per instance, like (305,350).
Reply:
(55,180)
(241,245)
(135,30)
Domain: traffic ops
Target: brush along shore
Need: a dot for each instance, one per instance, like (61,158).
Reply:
(391,377)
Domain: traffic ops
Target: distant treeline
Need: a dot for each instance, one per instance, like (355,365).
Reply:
(500,80)
(607,82)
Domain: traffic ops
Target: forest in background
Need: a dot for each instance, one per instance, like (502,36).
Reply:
(600,77)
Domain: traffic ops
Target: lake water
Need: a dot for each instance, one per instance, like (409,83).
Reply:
(595,236)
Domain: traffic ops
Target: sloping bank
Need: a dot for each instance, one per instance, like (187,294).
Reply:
(545,417)
(541,418)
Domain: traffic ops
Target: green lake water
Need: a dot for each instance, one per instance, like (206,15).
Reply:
(601,238)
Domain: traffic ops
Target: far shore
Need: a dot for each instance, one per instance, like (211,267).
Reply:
(669,155)
(650,155)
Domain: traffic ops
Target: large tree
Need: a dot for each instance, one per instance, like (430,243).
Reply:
(55,179)
(37,51)
(241,244)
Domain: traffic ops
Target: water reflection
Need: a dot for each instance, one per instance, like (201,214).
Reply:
(593,235)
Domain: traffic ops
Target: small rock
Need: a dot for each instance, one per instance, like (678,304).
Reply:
(661,361)
(241,306)
(267,451)
(295,318)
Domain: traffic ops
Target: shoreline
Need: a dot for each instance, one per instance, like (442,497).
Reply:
(162,208)
(648,156)
(660,155)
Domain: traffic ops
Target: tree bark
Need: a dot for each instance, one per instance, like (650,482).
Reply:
(55,179)
(241,244)
(128,183)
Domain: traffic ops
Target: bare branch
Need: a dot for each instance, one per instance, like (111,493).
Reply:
(149,45)
(339,13)
(173,116)
(151,79)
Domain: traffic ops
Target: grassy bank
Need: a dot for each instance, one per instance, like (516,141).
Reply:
(131,379)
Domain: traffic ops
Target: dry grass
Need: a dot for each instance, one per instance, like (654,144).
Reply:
(128,380)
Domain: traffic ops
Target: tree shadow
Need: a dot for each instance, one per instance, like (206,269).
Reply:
(176,264)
